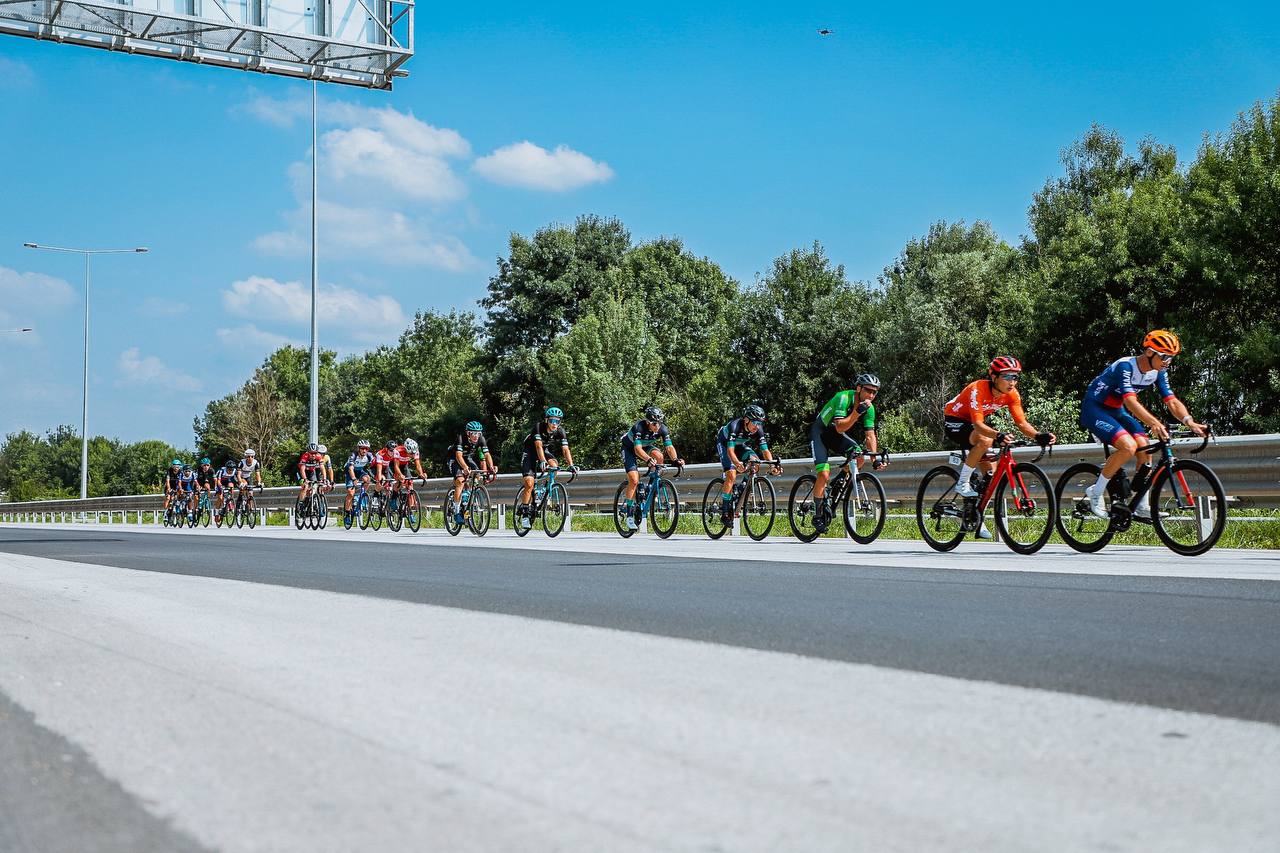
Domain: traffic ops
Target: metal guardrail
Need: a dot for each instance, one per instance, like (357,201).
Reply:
(1248,465)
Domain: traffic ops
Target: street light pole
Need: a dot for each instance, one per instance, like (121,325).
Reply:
(314,419)
(84,410)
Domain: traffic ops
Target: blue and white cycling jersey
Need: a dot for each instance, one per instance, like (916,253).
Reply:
(1123,379)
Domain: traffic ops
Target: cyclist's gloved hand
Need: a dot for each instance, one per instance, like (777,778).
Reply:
(1002,438)
(862,407)
(1044,439)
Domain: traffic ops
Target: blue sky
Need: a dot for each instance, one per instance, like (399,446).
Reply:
(734,126)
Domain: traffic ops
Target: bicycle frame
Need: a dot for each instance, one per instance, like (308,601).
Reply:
(1165,449)
(1004,471)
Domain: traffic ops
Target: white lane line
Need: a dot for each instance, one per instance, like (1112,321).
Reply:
(262,717)
(1117,560)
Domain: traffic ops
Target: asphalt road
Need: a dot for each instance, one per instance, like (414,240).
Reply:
(1190,644)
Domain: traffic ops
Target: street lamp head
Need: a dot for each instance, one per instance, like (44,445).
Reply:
(30,246)
(142,249)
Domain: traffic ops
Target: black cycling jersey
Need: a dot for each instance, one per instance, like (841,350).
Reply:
(552,440)
(734,434)
(171,479)
(641,435)
(207,478)
(469,450)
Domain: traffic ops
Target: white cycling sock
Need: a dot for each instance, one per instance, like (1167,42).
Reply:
(966,471)
(1102,484)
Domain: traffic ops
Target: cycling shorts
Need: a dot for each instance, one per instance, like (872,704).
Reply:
(957,433)
(825,439)
(360,473)
(455,470)
(1107,424)
(745,454)
(529,463)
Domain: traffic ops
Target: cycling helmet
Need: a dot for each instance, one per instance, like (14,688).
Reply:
(362,444)
(1005,364)
(186,469)
(868,379)
(391,445)
(312,447)
(1163,342)
(322,449)
(205,461)
(753,412)
(250,453)
(177,463)
(411,445)
(553,412)
(654,414)
(475,426)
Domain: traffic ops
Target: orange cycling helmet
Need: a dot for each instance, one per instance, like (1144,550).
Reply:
(1163,342)
(1005,364)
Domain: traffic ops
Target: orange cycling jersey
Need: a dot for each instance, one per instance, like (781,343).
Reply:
(977,401)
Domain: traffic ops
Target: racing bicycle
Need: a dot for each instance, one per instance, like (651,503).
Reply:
(655,497)
(754,501)
(860,499)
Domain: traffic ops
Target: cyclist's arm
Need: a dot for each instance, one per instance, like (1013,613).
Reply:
(461,461)
(417,464)
(538,451)
(1179,410)
(568,454)
(1141,412)
(870,442)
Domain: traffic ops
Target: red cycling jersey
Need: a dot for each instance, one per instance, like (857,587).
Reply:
(402,455)
(977,401)
(311,460)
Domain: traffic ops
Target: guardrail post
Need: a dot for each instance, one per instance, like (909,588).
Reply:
(262,513)
(568,518)
(155,516)
(1204,516)
(502,516)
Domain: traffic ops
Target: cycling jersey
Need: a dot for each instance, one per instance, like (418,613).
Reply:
(552,439)
(978,401)
(382,457)
(247,467)
(187,481)
(171,478)
(310,461)
(359,462)
(842,404)
(734,434)
(207,478)
(1122,379)
(641,436)
(467,448)
(402,455)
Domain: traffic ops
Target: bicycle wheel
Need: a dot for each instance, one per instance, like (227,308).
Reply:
(801,508)
(322,510)
(413,510)
(664,510)
(451,525)
(239,515)
(363,510)
(395,515)
(377,511)
(349,516)
(1188,507)
(194,517)
(517,522)
(939,511)
(478,518)
(555,509)
(864,509)
(1077,526)
(251,513)
(620,511)
(759,509)
(1025,521)
(713,521)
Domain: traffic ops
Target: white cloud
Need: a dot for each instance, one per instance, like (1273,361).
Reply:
(290,301)
(251,337)
(33,292)
(366,155)
(523,164)
(384,235)
(136,369)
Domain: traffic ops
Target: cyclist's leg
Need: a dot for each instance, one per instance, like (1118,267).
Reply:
(960,435)
(528,473)
(1116,428)
(633,474)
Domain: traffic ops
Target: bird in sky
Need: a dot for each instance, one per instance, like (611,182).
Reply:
(825,32)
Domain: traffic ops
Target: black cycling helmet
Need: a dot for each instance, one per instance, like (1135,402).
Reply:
(753,412)
(654,415)
(391,445)
(312,447)
(868,379)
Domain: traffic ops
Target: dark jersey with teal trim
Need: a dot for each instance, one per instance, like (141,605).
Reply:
(469,450)
(641,436)
(734,434)
(553,440)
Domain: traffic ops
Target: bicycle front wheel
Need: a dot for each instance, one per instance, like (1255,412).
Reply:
(801,508)
(1076,524)
(713,520)
(620,511)
(759,508)
(664,510)
(1188,507)
(376,514)
(1025,508)
(939,510)
(322,511)
(555,510)
(413,511)
(251,514)
(478,516)
(864,509)
(395,515)
(239,513)
(363,511)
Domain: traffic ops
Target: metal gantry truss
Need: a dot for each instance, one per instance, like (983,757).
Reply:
(374,38)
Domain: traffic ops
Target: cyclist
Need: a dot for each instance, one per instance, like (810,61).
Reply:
(469,451)
(310,470)
(326,471)
(734,445)
(382,462)
(206,479)
(539,453)
(249,467)
(187,488)
(225,478)
(851,411)
(359,467)
(1112,413)
(965,424)
(646,441)
(401,456)
(171,482)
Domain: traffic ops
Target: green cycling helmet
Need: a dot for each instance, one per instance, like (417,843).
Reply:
(553,412)
(205,461)
(475,426)
(177,463)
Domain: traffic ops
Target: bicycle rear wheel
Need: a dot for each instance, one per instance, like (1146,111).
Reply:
(395,515)
(1076,524)
(322,510)
(864,508)
(713,521)
(1188,507)
(517,519)
(251,513)
(413,510)
(620,511)
(377,511)
(555,510)
(1026,521)
(664,509)
(939,510)
(759,508)
(364,511)
(478,518)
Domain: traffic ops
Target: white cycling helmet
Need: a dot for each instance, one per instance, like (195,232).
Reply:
(322,449)
(411,445)
(250,452)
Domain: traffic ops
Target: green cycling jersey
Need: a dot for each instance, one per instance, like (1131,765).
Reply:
(842,404)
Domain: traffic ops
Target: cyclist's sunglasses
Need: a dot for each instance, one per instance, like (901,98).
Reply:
(869,391)
(553,421)
(1010,377)
(1167,359)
